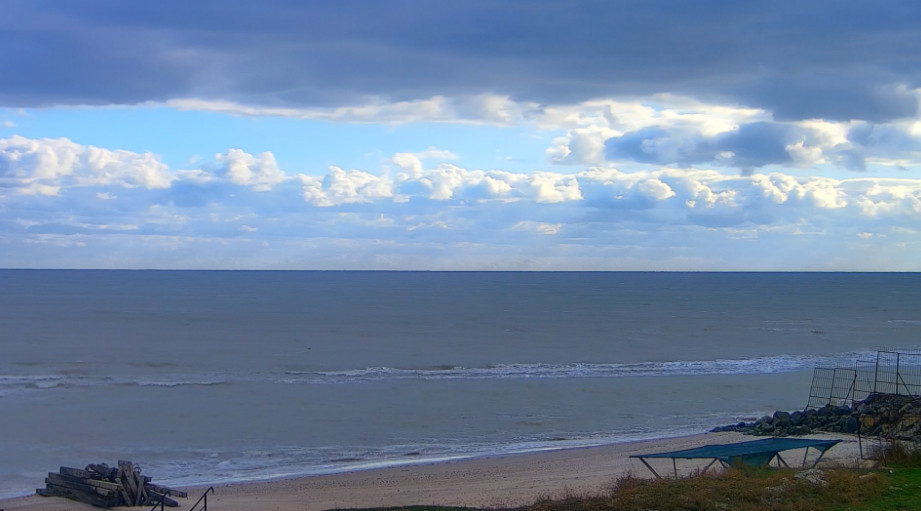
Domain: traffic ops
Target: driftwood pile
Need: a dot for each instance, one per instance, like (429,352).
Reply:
(103,486)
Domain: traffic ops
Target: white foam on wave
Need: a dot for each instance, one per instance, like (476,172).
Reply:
(758,365)
(178,383)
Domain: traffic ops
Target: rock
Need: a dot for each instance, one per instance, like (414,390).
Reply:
(867,424)
(851,425)
(813,476)
(781,420)
(799,430)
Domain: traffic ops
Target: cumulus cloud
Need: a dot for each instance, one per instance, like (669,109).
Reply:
(344,187)
(260,172)
(43,166)
(415,214)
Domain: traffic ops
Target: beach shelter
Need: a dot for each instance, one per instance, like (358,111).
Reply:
(755,453)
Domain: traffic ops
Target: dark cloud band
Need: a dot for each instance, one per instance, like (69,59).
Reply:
(821,59)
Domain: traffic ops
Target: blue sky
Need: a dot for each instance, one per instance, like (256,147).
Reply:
(538,135)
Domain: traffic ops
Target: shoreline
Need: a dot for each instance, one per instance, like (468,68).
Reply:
(490,481)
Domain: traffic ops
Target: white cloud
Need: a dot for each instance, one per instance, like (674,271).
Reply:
(537,227)
(259,172)
(435,203)
(44,166)
(412,162)
(345,187)
(660,129)
(433,109)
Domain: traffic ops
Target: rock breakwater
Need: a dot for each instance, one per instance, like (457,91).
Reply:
(884,415)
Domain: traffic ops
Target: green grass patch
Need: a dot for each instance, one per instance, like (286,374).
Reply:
(902,491)
(899,454)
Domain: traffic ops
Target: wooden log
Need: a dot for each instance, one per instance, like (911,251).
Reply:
(77,472)
(141,496)
(78,486)
(154,500)
(123,496)
(101,485)
(127,480)
(157,488)
(87,498)
(104,471)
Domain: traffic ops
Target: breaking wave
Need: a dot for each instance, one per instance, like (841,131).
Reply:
(759,365)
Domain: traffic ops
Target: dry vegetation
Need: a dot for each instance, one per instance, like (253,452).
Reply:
(736,489)
(896,487)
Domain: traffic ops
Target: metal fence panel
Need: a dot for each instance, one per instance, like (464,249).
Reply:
(909,372)
(823,380)
(892,372)
(842,388)
(865,379)
(887,373)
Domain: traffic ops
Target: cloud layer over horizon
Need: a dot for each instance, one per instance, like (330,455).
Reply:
(615,135)
(240,198)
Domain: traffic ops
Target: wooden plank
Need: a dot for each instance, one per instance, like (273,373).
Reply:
(123,495)
(163,489)
(128,484)
(91,482)
(101,485)
(78,486)
(87,498)
(154,499)
(141,496)
(105,472)
(77,472)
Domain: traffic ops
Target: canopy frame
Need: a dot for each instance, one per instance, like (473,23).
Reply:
(754,453)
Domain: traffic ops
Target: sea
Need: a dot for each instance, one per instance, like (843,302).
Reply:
(205,377)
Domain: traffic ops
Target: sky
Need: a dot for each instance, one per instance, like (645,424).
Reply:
(476,135)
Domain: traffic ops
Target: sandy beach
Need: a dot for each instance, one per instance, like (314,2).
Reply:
(480,482)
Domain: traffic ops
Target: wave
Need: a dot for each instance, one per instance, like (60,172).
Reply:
(906,321)
(20,383)
(758,365)
(178,383)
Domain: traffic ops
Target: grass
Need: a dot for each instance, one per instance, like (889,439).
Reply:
(736,489)
(896,487)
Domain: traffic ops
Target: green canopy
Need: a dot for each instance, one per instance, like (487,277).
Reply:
(754,453)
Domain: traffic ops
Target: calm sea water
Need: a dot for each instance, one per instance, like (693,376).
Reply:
(204,377)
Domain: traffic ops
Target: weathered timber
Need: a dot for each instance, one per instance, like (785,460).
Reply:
(99,485)
(53,490)
(104,471)
(77,472)
(162,490)
(129,479)
(155,499)
(91,482)
(142,492)
(78,486)
(105,486)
